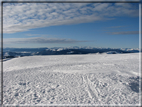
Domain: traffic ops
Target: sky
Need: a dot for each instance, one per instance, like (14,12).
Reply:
(107,25)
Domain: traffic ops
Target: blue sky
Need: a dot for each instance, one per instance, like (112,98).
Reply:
(113,25)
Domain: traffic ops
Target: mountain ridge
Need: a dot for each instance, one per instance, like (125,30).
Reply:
(20,52)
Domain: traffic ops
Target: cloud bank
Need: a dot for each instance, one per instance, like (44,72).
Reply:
(39,40)
(19,17)
(124,33)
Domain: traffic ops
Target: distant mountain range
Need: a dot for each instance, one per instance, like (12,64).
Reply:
(20,52)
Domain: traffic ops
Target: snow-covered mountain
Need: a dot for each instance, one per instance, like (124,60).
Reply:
(84,50)
(19,52)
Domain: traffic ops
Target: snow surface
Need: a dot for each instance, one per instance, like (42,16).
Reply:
(93,79)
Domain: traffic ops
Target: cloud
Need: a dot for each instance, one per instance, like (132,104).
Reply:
(124,33)
(21,17)
(39,40)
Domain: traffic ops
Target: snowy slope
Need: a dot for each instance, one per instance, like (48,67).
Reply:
(72,79)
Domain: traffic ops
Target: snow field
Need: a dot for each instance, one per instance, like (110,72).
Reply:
(72,79)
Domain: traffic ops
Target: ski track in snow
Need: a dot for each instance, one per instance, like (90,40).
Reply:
(72,79)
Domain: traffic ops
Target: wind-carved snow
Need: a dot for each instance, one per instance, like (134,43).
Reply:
(72,79)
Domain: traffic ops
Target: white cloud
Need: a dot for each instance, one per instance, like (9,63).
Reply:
(124,33)
(39,40)
(25,16)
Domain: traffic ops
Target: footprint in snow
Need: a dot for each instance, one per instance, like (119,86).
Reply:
(22,83)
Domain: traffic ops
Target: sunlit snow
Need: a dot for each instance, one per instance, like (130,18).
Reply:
(72,79)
